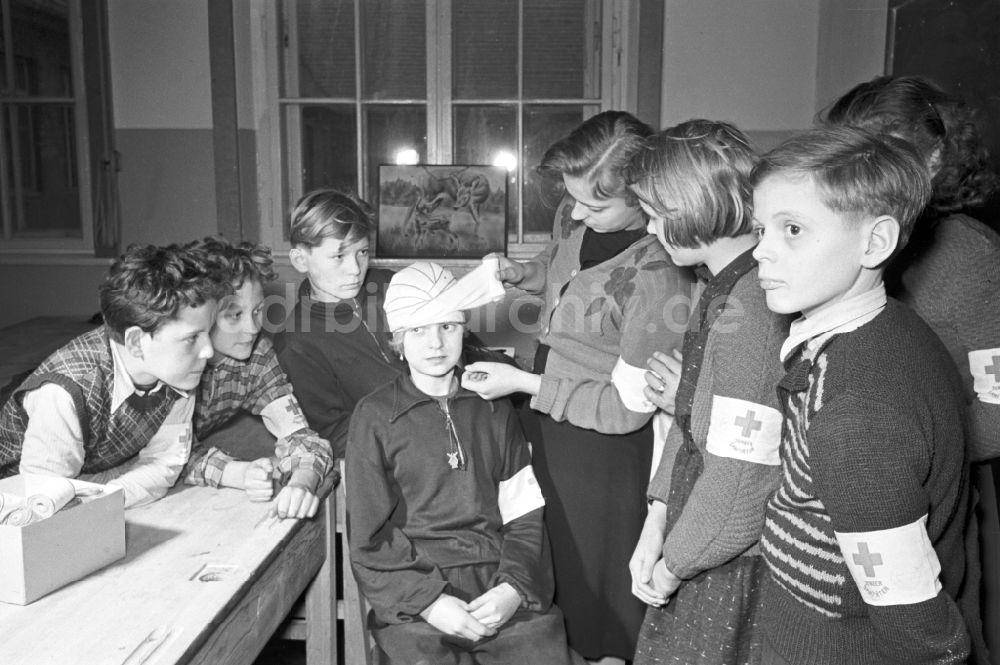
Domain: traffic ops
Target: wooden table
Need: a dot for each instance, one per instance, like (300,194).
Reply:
(207,578)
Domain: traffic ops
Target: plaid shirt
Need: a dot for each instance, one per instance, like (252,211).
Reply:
(257,385)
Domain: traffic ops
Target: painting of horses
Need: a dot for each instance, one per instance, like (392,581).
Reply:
(436,211)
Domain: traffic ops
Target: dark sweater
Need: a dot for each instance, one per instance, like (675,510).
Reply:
(411,516)
(334,355)
(873,440)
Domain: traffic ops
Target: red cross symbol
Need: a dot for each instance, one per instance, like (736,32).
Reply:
(748,423)
(186,437)
(293,408)
(867,560)
(994,369)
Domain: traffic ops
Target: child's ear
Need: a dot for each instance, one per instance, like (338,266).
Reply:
(133,341)
(883,236)
(298,258)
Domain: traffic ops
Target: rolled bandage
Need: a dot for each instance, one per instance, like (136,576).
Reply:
(20,516)
(8,504)
(47,494)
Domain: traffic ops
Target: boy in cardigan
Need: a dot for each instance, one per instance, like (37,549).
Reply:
(115,404)
(244,377)
(863,537)
(444,512)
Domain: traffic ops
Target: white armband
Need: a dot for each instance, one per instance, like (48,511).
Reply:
(894,566)
(744,430)
(519,495)
(631,382)
(984,365)
(283,416)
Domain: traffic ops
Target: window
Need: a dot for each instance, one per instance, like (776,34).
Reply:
(358,83)
(44,185)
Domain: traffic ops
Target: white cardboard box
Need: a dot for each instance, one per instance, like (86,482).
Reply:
(41,557)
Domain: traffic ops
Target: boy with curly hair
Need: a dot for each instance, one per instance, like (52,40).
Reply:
(115,404)
(243,377)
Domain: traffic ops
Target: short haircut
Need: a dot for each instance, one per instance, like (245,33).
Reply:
(696,176)
(916,109)
(856,173)
(148,285)
(329,213)
(238,263)
(599,150)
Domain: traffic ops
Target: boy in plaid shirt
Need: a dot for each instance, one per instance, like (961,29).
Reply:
(244,376)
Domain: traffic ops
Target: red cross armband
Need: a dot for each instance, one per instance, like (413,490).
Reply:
(984,365)
(283,416)
(894,566)
(744,430)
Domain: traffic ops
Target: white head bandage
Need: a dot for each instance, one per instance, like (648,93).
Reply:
(424,293)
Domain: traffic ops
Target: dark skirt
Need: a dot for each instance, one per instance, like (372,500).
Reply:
(711,620)
(595,492)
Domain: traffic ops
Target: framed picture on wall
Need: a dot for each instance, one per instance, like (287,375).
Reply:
(441,211)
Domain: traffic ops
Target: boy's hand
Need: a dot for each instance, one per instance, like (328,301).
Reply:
(257,479)
(493,380)
(298,498)
(647,554)
(662,379)
(495,607)
(451,616)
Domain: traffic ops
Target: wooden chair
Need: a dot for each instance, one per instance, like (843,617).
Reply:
(315,619)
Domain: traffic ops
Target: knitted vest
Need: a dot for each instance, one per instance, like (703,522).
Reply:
(85,369)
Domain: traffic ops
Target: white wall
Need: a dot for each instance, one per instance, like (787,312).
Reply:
(851,46)
(751,62)
(161,80)
(159,72)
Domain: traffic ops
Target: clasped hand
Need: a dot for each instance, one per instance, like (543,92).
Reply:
(480,618)
(652,582)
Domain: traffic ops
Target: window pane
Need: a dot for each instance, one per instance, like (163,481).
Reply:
(42,179)
(395,49)
(484,49)
(543,126)
(558,48)
(390,129)
(323,31)
(488,135)
(329,153)
(42,63)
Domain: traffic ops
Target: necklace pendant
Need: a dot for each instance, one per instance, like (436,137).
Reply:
(453,460)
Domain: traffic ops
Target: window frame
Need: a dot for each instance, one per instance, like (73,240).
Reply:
(13,248)
(616,74)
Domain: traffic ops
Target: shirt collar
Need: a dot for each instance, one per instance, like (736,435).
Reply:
(406,395)
(123,386)
(842,317)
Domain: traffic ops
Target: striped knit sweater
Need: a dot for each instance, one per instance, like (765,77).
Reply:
(872,445)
